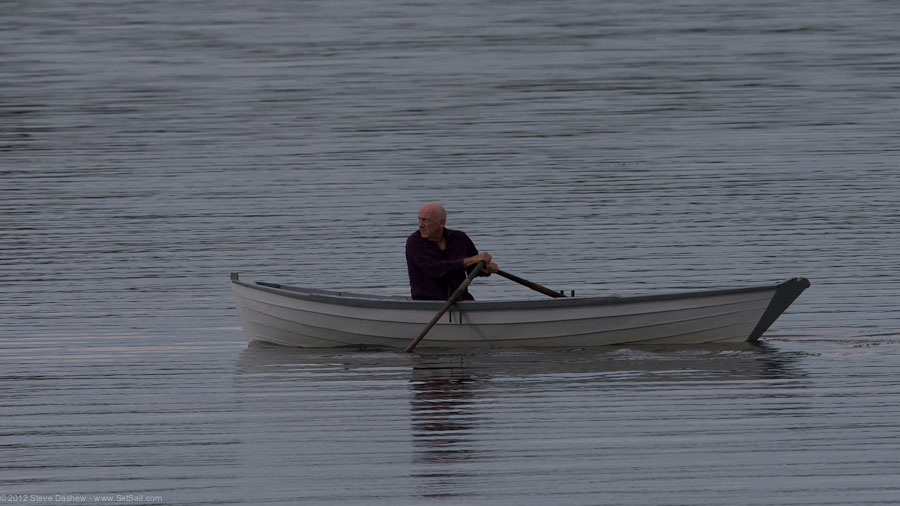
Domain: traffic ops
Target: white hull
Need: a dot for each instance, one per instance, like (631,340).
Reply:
(302,317)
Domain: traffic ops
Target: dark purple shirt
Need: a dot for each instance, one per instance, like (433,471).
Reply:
(436,274)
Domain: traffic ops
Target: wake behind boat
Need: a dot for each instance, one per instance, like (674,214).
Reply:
(305,317)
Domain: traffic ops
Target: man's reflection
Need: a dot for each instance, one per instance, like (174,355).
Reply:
(444,423)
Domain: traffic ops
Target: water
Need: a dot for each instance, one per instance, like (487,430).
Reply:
(149,149)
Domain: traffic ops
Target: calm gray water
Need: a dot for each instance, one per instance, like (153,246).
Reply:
(147,149)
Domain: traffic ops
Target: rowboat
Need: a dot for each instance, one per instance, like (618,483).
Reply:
(306,317)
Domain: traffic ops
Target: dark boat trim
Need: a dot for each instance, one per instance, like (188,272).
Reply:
(786,292)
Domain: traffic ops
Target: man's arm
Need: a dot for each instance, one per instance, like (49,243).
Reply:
(430,262)
(489,266)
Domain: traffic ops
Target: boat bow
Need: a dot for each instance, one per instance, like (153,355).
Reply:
(786,294)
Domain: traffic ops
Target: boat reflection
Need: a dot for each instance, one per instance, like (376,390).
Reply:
(713,362)
(458,403)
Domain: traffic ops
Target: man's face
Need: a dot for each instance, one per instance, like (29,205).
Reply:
(430,226)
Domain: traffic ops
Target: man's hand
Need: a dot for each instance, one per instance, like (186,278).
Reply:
(489,266)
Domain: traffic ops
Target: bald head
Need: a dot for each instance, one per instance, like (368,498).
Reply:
(434,209)
(432,218)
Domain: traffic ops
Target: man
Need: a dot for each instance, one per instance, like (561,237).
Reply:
(438,258)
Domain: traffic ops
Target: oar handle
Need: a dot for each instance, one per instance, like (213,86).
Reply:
(452,300)
(534,286)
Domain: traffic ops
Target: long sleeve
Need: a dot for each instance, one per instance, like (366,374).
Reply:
(434,274)
(430,261)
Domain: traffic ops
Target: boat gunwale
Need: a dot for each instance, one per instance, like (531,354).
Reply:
(651,325)
(396,302)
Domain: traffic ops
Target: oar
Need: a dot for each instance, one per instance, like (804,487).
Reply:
(456,295)
(534,286)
